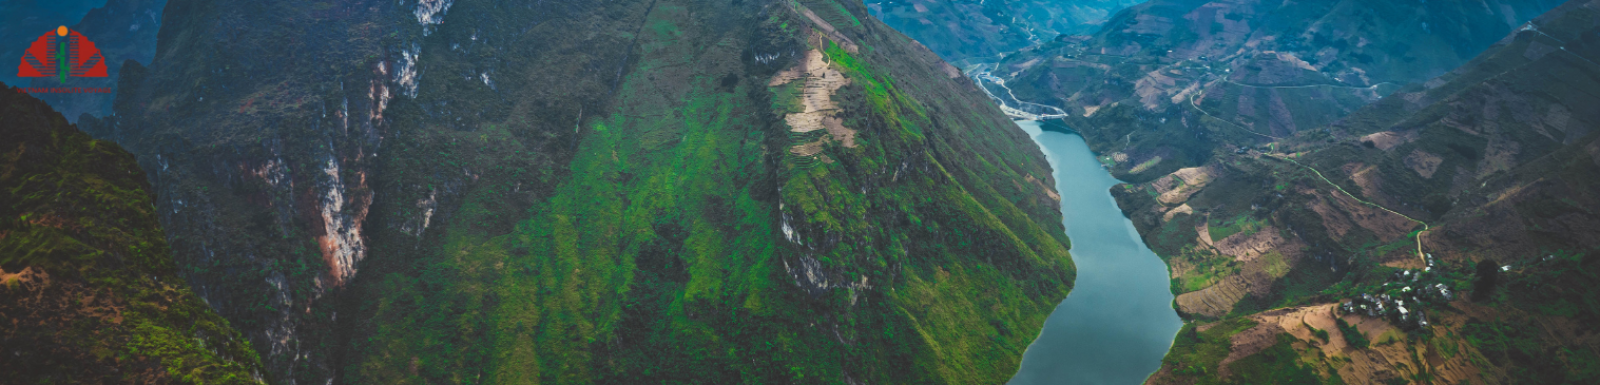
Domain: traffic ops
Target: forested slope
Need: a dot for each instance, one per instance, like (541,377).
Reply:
(89,291)
(577,191)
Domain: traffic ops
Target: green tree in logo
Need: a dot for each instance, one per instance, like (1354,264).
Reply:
(61,62)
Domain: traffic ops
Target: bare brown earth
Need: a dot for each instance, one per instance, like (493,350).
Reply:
(1498,229)
(1385,359)
(1204,228)
(1388,139)
(1386,225)
(1254,340)
(1267,256)
(1246,247)
(1181,209)
(1154,88)
(827,29)
(38,299)
(1508,202)
(1334,219)
(1500,156)
(821,82)
(1391,354)
(1192,180)
(1177,266)
(1216,300)
(1048,191)
(1367,178)
(35,301)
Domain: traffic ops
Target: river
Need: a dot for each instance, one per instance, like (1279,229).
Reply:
(1118,322)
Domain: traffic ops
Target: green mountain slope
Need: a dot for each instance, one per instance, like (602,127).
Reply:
(88,287)
(1166,83)
(962,30)
(1480,182)
(578,192)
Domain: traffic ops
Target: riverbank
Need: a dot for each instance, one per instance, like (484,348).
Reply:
(1118,322)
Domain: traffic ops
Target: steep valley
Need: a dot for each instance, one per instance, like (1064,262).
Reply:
(1347,192)
(1428,197)
(655,191)
(736,191)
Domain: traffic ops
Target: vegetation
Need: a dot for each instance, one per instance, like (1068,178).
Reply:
(1196,354)
(595,192)
(1224,228)
(1485,277)
(1278,364)
(1319,333)
(90,289)
(1352,335)
(684,242)
(1406,154)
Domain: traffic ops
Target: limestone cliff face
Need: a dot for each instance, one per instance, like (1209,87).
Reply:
(258,133)
(578,191)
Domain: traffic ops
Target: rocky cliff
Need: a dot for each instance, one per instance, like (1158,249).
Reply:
(572,191)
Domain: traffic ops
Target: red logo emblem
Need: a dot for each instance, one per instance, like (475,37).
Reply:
(60,54)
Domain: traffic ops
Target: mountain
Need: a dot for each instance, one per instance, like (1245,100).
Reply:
(592,192)
(1167,83)
(1445,233)
(88,287)
(972,30)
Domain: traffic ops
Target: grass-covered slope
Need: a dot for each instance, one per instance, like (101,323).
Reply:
(1480,181)
(581,192)
(695,236)
(1165,83)
(88,289)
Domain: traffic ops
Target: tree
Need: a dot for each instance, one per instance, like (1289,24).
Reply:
(1487,276)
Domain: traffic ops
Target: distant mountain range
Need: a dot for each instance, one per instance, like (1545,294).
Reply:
(970,30)
(1491,167)
(1346,192)
(1351,192)
(655,191)
(1168,82)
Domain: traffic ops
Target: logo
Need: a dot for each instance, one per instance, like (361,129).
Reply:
(62,53)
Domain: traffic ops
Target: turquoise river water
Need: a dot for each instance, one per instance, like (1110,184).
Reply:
(1118,321)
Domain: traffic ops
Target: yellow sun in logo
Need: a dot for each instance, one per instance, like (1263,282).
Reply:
(61,31)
